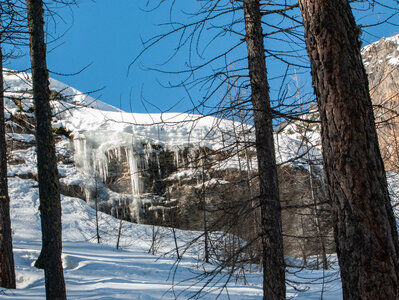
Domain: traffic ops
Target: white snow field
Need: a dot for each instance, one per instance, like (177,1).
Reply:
(100,271)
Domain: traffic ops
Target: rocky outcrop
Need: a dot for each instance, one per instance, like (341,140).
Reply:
(195,188)
(381,60)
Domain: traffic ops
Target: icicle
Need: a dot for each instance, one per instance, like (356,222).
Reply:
(100,164)
(79,143)
(84,156)
(148,151)
(134,175)
(118,153)
(191,160)
(88,195)
(158,164)
(136,208)
(176,157)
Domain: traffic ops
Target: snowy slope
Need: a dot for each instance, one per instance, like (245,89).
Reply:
(95,271)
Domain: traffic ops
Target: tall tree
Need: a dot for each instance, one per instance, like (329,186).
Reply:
(50,204)
(10,30)
(272,241)
(365,230)
(7,270)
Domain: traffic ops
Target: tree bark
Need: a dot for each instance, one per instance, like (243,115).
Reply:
(365,230)
(50,204)
(271,232)
(7,270)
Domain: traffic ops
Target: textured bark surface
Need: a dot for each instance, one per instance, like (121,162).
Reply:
(50,204)
(7,270)
(365,231)
(272,241)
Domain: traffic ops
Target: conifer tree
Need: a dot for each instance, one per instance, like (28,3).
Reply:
(365,231)
(271,232)
(7,269)
(50,203)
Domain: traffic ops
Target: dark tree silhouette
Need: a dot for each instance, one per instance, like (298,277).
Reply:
(10,32)
(365,230)
(271,232)
(50,204)
(7,270)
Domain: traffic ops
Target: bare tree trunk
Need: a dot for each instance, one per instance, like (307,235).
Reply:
(119,234)
(365,230)
(204,218)
(50,204)
(175,241)
(97,221)
(272,241)
(7,270)
(316,212)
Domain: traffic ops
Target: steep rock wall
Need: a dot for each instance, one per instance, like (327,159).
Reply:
(381,61)
(196,188)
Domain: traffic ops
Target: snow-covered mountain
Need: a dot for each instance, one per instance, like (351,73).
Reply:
(154,168)
(138,167)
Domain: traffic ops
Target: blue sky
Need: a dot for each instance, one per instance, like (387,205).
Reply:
(107,34)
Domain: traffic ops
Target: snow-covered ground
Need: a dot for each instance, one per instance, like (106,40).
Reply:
(99,271)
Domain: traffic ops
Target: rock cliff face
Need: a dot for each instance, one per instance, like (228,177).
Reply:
(197,188)
(178,170)
(193,188)
(381,60)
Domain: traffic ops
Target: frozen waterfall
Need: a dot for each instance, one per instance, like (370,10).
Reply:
(94,150)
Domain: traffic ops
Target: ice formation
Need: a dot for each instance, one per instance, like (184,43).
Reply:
(93,151)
